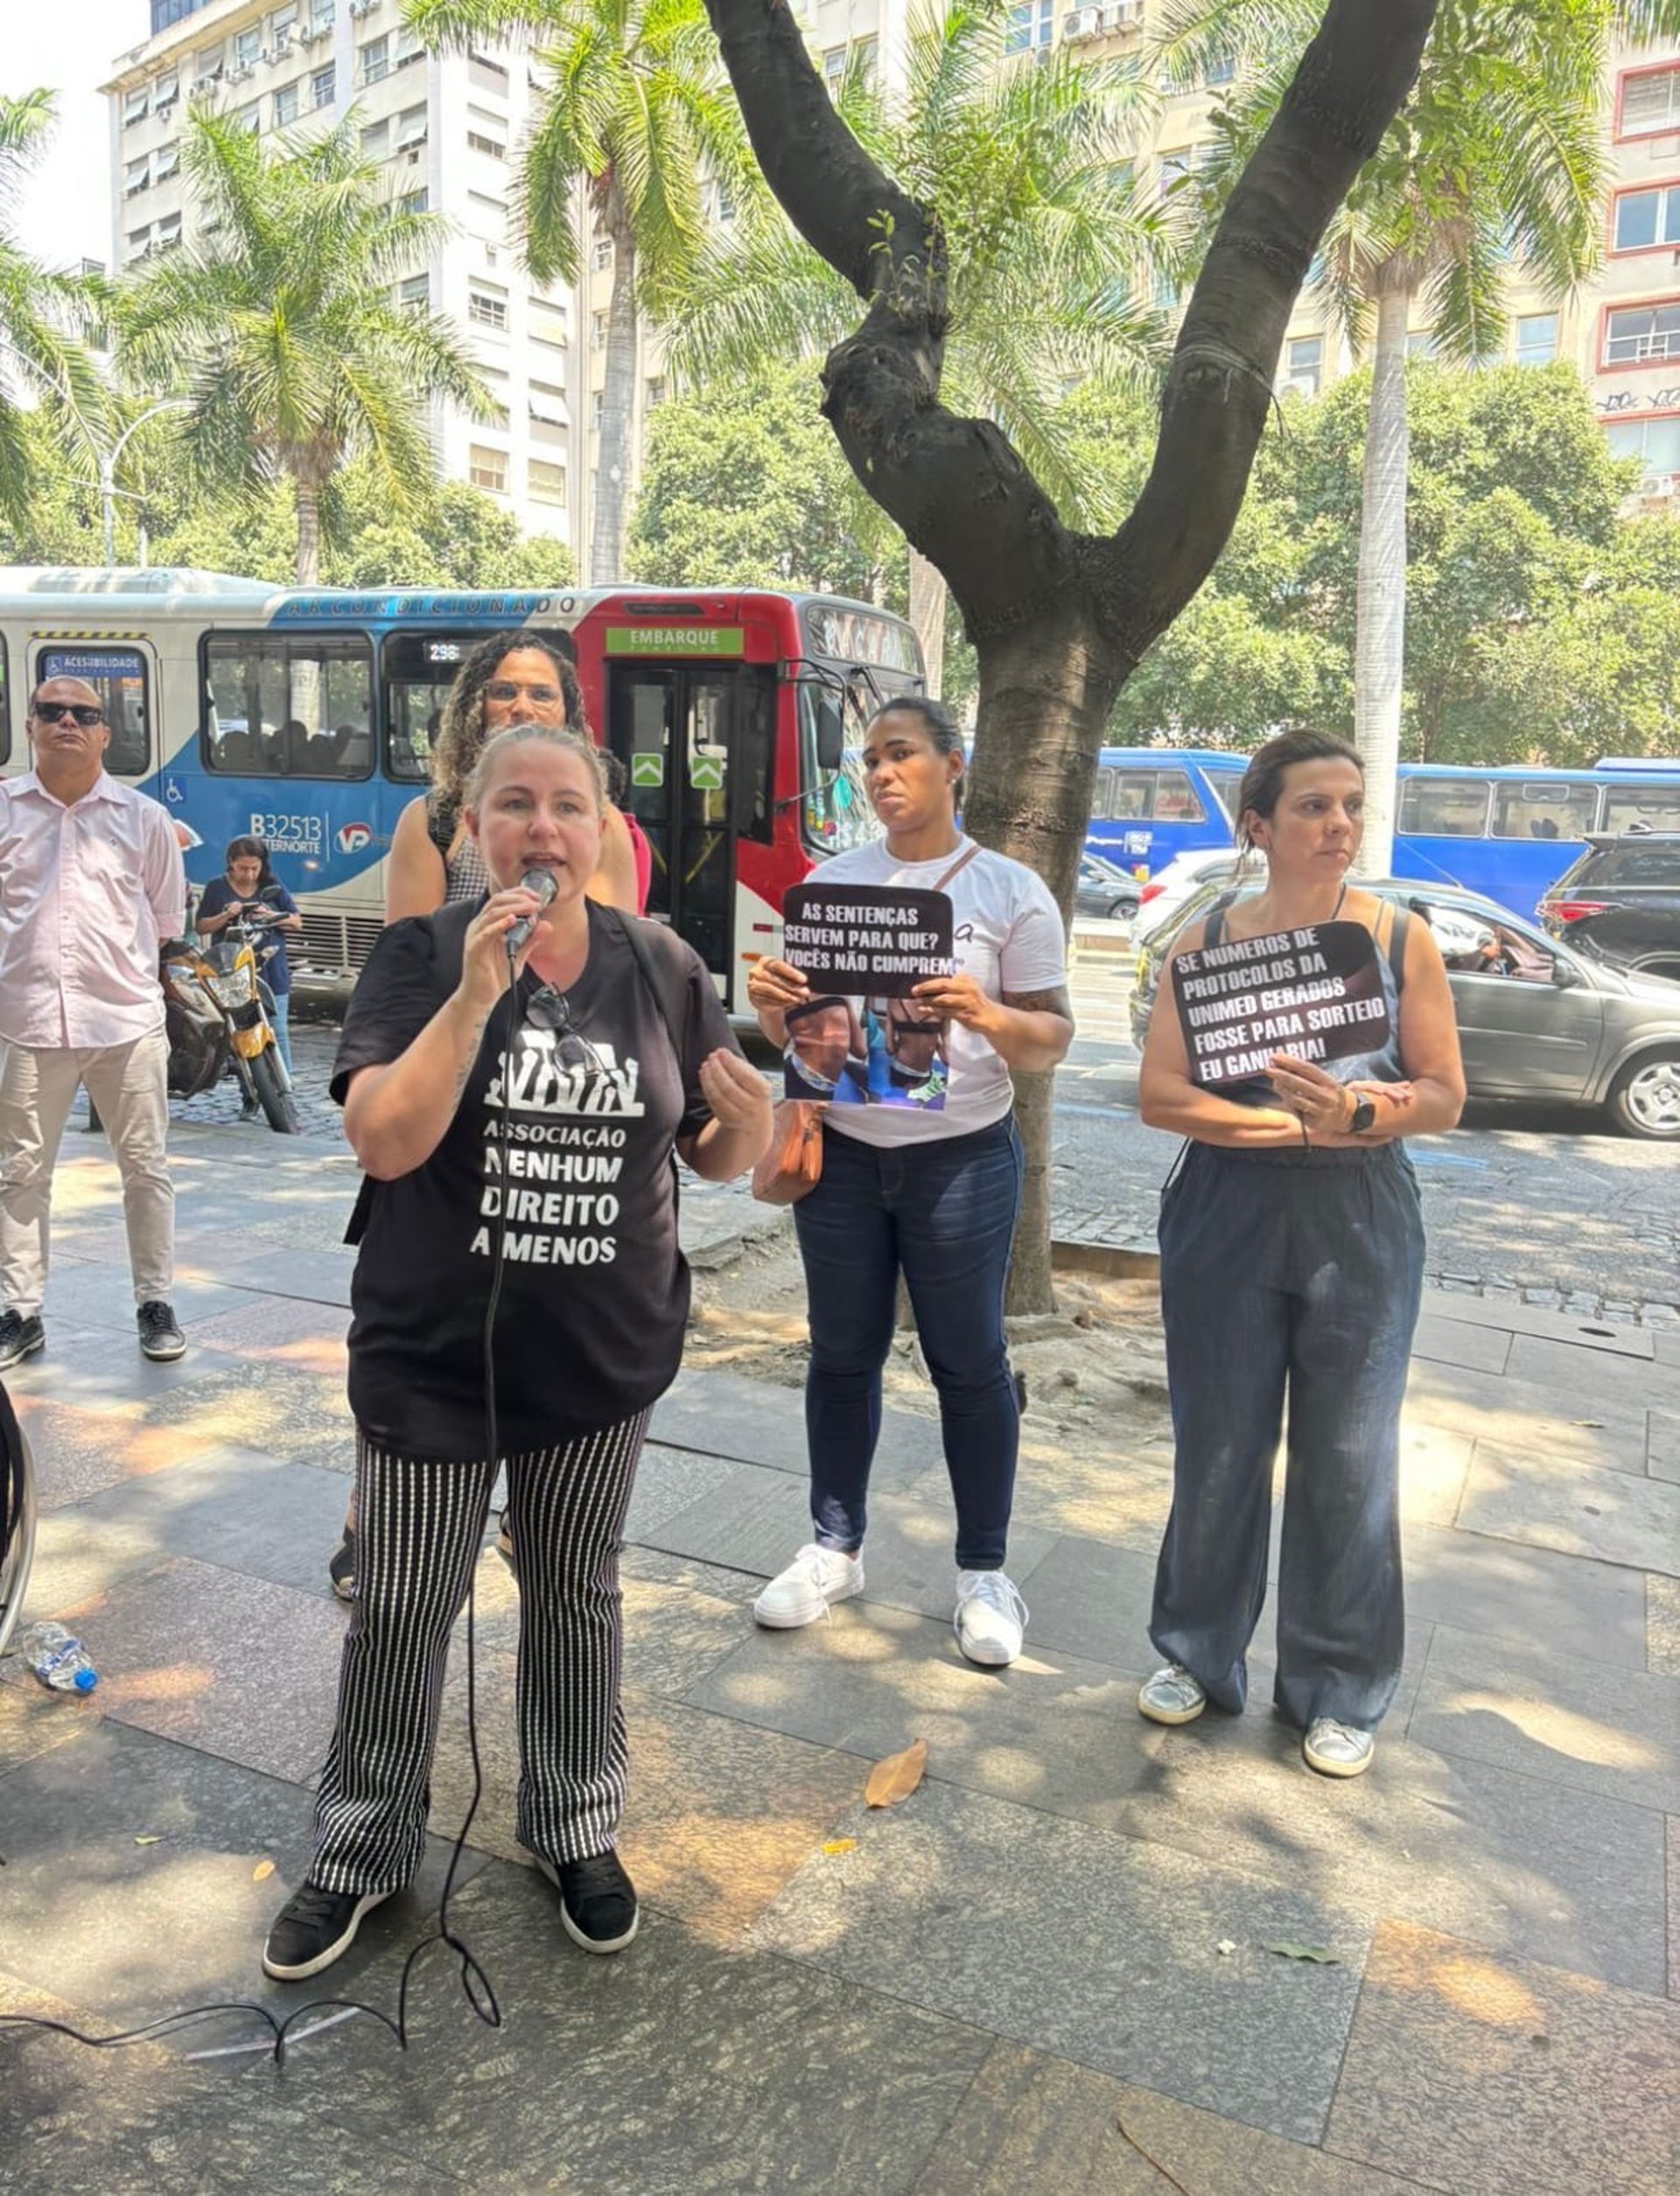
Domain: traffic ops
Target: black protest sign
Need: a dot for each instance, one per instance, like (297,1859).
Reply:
(862,938)
(1315,993)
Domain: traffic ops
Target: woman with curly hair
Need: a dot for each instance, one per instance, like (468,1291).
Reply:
(512,678)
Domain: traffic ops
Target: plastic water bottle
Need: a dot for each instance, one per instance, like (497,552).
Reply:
(58,1658)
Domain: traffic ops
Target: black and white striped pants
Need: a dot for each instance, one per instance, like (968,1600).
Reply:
(419,1526)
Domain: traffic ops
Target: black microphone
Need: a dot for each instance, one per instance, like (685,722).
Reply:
(541,883)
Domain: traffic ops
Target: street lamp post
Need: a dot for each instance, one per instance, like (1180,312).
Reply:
(108,469)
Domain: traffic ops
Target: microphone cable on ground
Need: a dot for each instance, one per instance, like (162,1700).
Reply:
(475,1983)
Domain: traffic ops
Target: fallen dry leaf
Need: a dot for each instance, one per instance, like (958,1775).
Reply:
(261,1871)
(897,1777)
(840,1845)
(154,1837)
(1317,1953)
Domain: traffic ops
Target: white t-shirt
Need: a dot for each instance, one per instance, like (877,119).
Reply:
(1009,937)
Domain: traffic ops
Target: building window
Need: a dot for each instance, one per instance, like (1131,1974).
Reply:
(1306,357)
(600,255)
(488,75)
(322,14)
(207,67)
(656,396)
(286,107)
(408,48)
(247,45)
(1640,333)
(487,308)
(282,22)
(598,331)
(1651,101)
(167,161)
(415,292)
(1221,70)
(169,233)
(322,86)
(834,66)
(544,482)
(165,92)
(1536,339)
(412,202)
(868,52)
(597,409)
(1656,443)
(375,60)
(411,127)
(137,241)
(135,107)
(546,323)
(1644,218)
(377,139)
(490,148)
(487,468)
(136,177)
(249,118)
(1030,25)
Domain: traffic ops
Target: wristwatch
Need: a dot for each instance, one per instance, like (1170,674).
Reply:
(1364,1116)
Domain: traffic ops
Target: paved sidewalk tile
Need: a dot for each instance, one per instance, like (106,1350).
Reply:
(1662,1447)
(1587,1429)
(1632,1383)
(1567,1604)
(1481,2076)
(1663,1625)
(1033,2124)
(673,2070)
(289,1331)
(1105,1950)
(722,1414)
(1609,1336)
(1613,1517)
(1673,1827)
(1605,1729)
(1449,1341)
(135,1930)
(720,1816)
(101,1296)
(1082,1487)
(79,1452)
(1455,1845)
(33,1720)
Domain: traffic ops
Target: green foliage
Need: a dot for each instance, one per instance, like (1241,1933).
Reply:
(746,486)
(1544,627)
(449,536)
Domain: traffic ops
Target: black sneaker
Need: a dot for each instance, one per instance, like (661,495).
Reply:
(313,1928)
(20,1338)
(160,1338)
(598,1900)
(342,1568)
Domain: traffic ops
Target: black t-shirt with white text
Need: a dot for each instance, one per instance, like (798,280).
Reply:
(576,1146)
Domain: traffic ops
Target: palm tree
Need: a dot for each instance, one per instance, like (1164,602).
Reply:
(1053,250)
(281,328)
(635,107)
(45,312)
(1497,158)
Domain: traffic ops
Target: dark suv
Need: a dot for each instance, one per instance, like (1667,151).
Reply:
(1620,902)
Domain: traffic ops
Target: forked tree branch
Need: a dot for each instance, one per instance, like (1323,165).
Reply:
(957,487)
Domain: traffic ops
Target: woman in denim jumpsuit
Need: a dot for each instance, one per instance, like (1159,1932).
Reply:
(1292,1268)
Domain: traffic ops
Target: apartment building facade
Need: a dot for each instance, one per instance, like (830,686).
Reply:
(445,129)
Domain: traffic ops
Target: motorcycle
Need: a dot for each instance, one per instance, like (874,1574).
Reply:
(217,1016)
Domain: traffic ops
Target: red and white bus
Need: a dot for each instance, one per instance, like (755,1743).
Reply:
(303,719)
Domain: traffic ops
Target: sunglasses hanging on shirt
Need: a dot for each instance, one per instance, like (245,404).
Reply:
(549,1008)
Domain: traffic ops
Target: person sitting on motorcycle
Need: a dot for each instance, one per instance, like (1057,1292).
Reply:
(250,883)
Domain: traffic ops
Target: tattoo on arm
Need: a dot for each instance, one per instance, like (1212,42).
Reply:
(1052,1002)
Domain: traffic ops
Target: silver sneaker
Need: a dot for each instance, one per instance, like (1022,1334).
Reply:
(1337,1750)
(991,1618)
(1172,1696)
(815,1579)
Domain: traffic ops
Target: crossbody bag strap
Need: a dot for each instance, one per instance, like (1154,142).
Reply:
(961,861)
(668,984)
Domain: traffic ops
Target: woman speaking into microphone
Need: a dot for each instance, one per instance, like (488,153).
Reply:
(514,1074)
(1291,1264)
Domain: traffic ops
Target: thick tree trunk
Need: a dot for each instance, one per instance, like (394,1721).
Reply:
(1058,620)
(611,484)
(1380,639)
(309,535)
(927,598)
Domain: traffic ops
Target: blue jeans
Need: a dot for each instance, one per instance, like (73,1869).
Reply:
(942,1215)
(1299,1275)
(281,1022)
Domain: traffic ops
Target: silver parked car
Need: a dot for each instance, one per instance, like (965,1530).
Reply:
(1535,1020)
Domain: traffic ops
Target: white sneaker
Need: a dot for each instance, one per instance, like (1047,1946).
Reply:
(991,1618)
(1337,1750)
(1172,1696)
(815,1579)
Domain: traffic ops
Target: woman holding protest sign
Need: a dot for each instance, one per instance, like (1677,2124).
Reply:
(923,1178)
(1292,1258)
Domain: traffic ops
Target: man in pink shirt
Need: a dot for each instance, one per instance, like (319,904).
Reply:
(91,882)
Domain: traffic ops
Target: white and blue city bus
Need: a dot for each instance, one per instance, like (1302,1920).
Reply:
(305,717)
